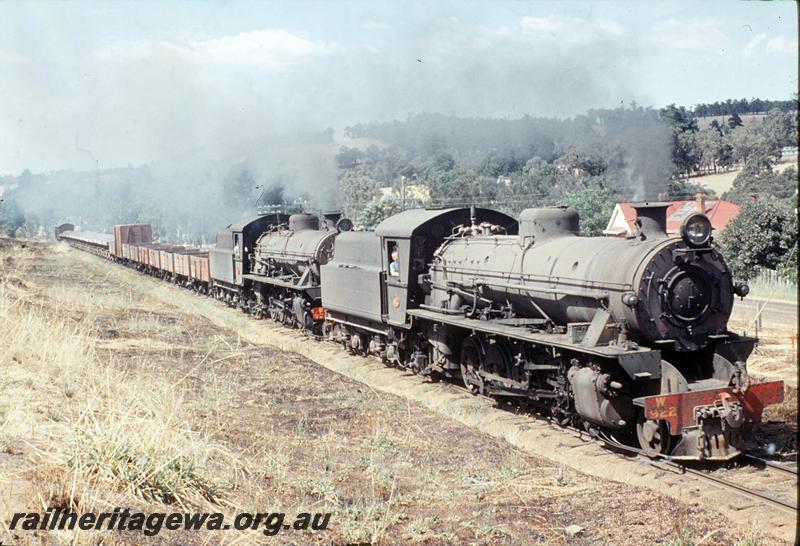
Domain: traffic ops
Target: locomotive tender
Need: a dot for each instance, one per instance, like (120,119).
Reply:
(618,336)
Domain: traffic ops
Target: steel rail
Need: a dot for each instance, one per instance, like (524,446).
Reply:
(665,460)
(772,464)
(746,490)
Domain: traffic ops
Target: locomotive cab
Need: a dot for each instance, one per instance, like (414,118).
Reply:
(415,235)
(229,256)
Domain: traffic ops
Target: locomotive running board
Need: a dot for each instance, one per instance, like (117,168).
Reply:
(515,332)
(277,282)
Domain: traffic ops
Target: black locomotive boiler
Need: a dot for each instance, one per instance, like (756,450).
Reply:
(627,336)
(269,265)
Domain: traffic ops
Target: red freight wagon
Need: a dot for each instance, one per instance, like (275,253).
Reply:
(165,259)
(198,267)
(165,256)
(142,254)
(171,253)
(154,257)
(181,262)
(131,234)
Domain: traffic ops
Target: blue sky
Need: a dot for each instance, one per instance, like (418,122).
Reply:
(133,82)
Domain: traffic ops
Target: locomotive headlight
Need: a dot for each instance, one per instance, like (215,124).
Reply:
(741,289)
(696,230)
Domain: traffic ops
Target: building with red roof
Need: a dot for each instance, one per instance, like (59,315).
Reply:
(718,211)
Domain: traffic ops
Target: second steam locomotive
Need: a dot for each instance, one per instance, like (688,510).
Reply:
(625,337)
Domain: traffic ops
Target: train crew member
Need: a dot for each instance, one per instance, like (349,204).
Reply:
(394,265)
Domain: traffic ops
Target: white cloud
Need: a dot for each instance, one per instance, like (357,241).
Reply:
(780,44)
(270,49)
(453,37)
(753,45)
(694,35)
(761,44)
(571,30)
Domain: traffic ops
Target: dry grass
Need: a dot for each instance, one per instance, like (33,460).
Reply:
(775,357)
(723,181)
(84,423)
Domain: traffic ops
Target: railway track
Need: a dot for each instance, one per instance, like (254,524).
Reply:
(754,493)
(668,463)
(772,464)
(749,492)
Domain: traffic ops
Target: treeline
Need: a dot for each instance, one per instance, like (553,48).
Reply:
(589,162)
(609,155)
(743,106)
(508,163)
(730,144)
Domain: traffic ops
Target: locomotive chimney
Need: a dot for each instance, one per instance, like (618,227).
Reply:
(700,197)
(651,219)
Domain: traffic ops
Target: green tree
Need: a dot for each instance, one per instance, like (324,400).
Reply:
(594,205)
(11,218)
(376,211)
(763,181)
(679,118)
(358,188)
(711,147)
(778,129)
(763,235)
(686,153)
(460,186)
(788,265)
(500,162)
(580,161)
(347,158)
(749,145)
(735,121)
(532,188)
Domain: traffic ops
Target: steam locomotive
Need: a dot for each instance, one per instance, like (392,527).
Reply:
(618,336)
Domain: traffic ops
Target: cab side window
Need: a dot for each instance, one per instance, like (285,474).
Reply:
(393,255)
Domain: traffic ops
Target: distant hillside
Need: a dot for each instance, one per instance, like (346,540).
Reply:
(743,106)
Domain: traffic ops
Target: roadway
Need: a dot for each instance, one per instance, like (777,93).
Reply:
(775,311)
